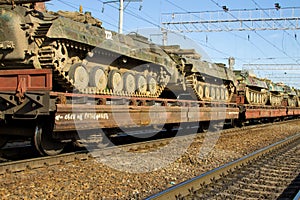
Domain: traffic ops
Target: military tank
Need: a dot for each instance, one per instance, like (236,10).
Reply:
(298,97)
(255,90)
(84,56)
(276,93)
(208,81)
(290,96)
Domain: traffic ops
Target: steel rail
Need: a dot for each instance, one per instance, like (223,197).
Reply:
(198,182)
(34,163)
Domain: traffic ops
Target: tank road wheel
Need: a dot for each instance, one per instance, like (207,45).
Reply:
(152,85)
(248,95)
(218,93)
(258,98)
(79,75)
(129,83)
(251,97)
(255,97)
(200,91)
(98,78)
(291,101)
(273,100)
(141,84)
(227,95)
(115,81)
(222,94)
(44,143)
(206,91)
(213,93)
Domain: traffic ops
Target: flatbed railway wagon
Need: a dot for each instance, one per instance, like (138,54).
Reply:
(29,108)
(62,72)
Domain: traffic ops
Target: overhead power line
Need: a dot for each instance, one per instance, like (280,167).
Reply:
(270,43)
(233,20)
(272,67)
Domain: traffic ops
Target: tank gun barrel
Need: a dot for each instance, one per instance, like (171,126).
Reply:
(10,2)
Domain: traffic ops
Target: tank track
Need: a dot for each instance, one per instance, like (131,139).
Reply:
(292,101)
(47,59)
(275,99)
(208,92)
(59,77)
(256,98)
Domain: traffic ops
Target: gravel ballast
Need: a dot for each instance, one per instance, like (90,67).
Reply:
(91,179)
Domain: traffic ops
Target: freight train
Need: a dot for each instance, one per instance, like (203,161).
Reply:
(62,71)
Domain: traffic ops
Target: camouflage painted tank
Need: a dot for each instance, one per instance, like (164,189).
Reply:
(276,93)
(85,57)
(252,88)
(298,97)
(209,81)
(290,96)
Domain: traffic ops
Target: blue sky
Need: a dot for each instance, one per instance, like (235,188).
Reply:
(248,47)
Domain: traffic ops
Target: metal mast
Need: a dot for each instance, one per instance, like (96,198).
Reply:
(121,10)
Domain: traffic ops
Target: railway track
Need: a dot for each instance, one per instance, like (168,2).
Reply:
(10,166)
(264,174)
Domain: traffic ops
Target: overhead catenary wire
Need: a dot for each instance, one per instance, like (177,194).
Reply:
(213,48)
(259,35)
(276,21)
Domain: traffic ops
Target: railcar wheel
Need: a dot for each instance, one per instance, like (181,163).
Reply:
(141,83)
(204,126)
(44,143)
(3,141)
(79,75)
(129,83)
(98,78)
(152,85)
(115,81)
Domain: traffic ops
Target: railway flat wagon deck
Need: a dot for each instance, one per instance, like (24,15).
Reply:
(30,109)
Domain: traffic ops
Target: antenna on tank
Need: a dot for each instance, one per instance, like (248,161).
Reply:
(80,9)
(121,10)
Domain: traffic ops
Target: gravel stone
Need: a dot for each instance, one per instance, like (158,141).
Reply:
(90,179)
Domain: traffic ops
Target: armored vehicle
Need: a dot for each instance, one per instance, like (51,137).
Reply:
(86,57)
(276,93)
(290,96)
(208,81)
(255,90)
